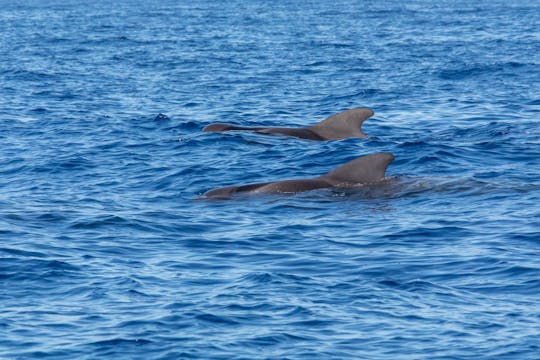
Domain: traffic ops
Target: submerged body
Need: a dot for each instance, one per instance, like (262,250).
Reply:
(365,170)
(343,125)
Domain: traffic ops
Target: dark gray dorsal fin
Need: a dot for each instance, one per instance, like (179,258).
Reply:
(364,170)
(343,125)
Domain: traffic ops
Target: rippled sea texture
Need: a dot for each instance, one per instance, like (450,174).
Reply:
(106,250)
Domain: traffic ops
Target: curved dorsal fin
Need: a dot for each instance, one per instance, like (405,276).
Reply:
(364,170)
(345,124)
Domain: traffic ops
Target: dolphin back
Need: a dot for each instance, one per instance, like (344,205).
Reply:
(343,125)
(365,170)
(275,187)
(228,191)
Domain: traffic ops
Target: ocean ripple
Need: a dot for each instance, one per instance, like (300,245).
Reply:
(107,249)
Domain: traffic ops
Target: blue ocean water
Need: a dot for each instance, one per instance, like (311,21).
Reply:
(107,251)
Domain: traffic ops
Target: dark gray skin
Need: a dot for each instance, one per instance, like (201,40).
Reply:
(365,170)
(343,125)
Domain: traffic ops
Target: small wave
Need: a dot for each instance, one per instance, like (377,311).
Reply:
(101,221)
(39,270)
(119,342)
(476,70)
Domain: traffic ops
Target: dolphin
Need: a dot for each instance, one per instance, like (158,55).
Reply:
(343,125)
(365,170)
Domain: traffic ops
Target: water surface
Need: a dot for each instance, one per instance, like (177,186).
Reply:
(106,250)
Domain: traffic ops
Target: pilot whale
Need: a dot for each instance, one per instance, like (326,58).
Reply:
(343,125)
(365,170)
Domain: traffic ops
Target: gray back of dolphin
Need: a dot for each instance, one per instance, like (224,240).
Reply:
(365,170)
(343,125)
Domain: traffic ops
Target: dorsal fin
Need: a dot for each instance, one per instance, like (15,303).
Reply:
(364,170)
(343,125)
